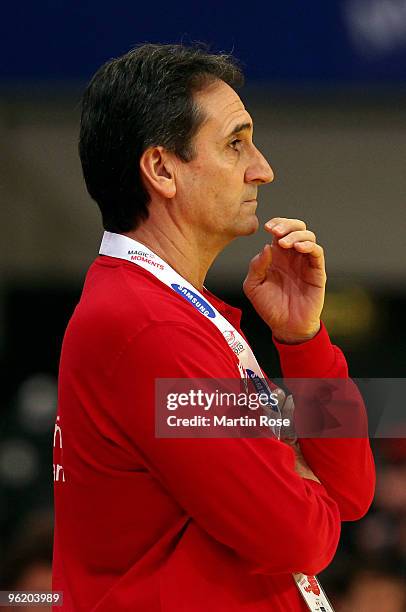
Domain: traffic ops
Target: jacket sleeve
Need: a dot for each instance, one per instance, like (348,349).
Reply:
(344,465)
(243,492)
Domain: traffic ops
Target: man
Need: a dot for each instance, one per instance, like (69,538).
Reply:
(148,523)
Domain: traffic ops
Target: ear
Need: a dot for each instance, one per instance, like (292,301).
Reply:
(158,170)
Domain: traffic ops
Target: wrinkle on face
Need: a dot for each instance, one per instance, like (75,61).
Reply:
(223,108)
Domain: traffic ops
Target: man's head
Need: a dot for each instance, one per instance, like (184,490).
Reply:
(159,122)
(137,101)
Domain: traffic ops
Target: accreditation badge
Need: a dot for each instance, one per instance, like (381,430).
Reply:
(313,594)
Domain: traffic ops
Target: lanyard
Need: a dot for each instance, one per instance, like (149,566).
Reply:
(122,247)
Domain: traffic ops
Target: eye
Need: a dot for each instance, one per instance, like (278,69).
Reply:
(234,143)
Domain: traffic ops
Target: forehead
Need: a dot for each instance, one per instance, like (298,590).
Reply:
(222,107)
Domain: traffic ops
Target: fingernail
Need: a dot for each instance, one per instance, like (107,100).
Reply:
(278,228)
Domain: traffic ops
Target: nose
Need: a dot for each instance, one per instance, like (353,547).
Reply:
(259,171)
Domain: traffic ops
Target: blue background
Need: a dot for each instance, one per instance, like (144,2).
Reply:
(290,43)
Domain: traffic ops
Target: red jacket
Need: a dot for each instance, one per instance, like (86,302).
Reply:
(183,525)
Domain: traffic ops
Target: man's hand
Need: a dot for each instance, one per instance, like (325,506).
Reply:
(301,467)
(286,281)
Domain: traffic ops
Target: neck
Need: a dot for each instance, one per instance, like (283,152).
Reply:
(181,247)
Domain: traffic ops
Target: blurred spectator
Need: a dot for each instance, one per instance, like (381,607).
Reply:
(374,591)
(27,565)
(382,533)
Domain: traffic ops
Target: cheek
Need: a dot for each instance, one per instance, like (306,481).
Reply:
(204,183)
(215,180)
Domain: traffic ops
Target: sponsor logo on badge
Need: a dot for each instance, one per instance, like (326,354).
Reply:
(312,586)
(231,340)
(257,381)
(196,301)
(262,389)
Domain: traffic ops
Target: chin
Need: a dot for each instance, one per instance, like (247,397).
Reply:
(249,227)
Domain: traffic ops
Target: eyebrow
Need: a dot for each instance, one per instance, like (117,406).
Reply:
(240,127)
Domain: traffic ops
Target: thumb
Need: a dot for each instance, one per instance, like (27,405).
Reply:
(259,264)
(258,269)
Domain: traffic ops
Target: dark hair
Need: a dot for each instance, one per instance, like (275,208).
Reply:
(142,99)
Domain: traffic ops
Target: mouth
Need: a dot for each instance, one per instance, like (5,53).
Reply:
(250,201)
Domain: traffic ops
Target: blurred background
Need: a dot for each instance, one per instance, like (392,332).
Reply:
(326,89)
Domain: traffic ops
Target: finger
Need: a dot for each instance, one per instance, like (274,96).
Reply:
(307,246)
(281,226)
(280,396)
(260,264)
(258,267)
(299,236)
(316,259)
(289,435)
